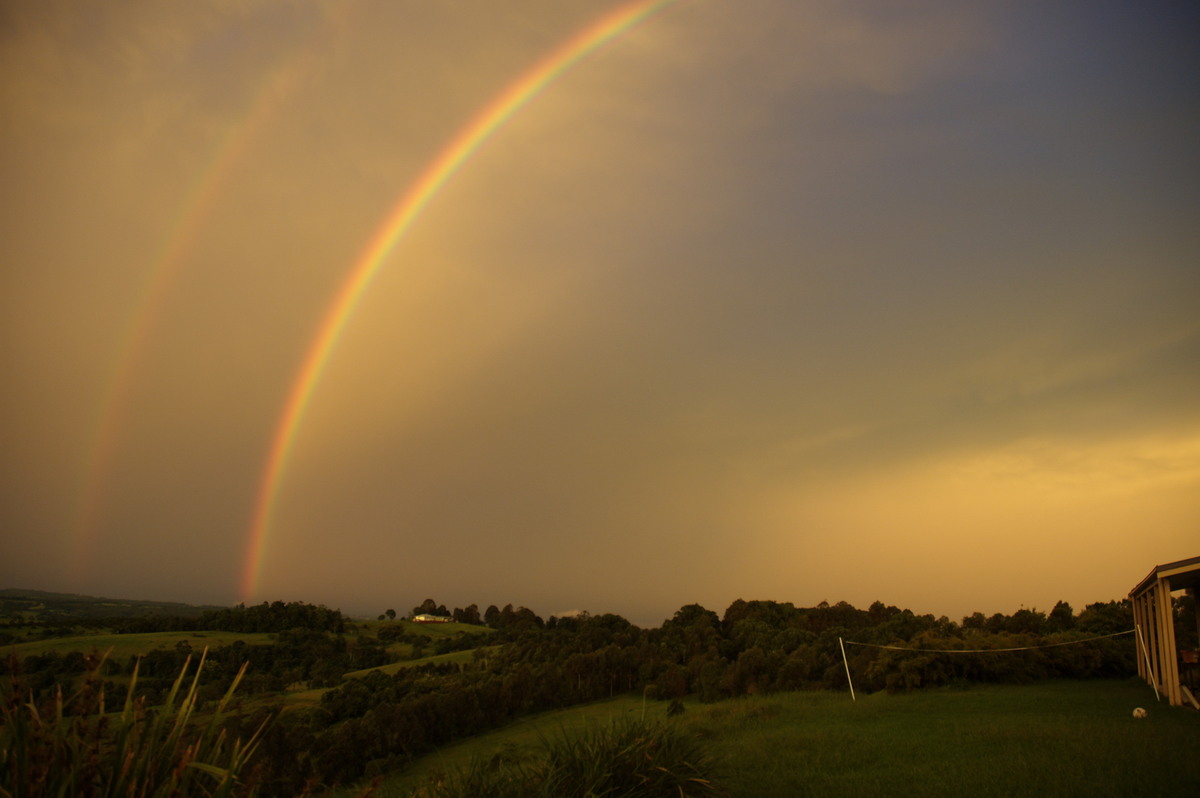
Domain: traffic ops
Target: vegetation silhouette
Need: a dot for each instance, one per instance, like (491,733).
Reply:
(329,700)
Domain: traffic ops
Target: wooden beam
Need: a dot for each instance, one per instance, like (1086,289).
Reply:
(1195,594)
(1169,663)
(1153,635)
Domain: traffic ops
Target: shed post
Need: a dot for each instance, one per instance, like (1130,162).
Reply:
(1154,616)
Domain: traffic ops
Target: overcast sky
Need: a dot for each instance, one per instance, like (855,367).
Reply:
(786,300)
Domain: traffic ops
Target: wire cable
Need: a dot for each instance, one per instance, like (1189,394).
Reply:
(986,650)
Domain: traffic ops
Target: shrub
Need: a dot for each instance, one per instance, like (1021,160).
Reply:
(624,758)
(71,747)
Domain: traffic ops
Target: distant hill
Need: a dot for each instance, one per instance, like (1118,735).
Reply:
(41,605)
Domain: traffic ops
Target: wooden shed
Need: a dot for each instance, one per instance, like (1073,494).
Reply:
(1159,660)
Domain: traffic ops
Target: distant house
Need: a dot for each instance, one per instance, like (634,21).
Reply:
(423,618)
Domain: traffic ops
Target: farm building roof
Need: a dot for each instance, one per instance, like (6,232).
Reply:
(1182,573)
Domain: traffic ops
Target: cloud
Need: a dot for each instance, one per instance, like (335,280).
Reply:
(821,300)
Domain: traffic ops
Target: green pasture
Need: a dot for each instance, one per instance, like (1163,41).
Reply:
(1048,738)
(434,631)
(126,645)
(522,735)
(396,667)
(130,645)
(312,696)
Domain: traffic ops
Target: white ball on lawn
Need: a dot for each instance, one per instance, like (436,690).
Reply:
(1139,713)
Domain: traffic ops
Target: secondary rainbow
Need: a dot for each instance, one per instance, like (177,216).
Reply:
(398,221)
(181,236)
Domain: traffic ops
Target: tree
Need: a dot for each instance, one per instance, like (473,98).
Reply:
(691,615)
(426,607)
(1025,621)
(469,615)
(1062,618)
(391,614)
(976,621)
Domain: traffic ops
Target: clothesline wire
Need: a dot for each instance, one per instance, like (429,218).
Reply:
(986,650)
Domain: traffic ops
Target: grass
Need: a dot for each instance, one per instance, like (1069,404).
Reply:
(434,631)
(516,740)
(124,646)
(1049,738)
(623,757)
(312,696)
(71,746)
(396,667)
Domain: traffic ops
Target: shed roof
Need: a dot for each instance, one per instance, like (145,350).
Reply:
(1182,573)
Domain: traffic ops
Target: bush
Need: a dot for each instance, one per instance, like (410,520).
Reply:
(71,747)
(625,758)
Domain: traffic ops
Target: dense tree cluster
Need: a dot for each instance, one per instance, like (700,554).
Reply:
(275,617)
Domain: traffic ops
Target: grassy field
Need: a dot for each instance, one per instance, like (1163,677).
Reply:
(312,696)
(525,734)
(434,631)
(40,605)
(1051,738)
(128,645)
(396,667)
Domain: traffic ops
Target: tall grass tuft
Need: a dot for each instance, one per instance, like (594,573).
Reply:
(622,758)
(71,747)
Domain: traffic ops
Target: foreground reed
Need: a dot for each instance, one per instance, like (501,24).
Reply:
(71,747)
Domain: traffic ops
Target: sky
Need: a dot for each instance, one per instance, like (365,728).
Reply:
(800,301)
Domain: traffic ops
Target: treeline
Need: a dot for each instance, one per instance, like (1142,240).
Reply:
(372,725)
(276,616)
(509,618)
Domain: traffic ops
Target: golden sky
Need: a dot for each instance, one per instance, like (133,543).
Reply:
(798,301)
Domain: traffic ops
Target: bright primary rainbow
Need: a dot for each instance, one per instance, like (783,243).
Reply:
(402,216)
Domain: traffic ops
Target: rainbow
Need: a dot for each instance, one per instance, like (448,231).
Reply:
(276,89)
(502,107)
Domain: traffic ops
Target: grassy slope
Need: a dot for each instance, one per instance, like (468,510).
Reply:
(133,644)
(312,696)
(34,605)
(125,646)
(434,631)
(525,734)
(396,667)
(1051,738)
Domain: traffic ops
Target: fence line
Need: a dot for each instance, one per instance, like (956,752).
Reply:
(846,661)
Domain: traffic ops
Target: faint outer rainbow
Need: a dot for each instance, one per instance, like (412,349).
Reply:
(487,121)
(178,241)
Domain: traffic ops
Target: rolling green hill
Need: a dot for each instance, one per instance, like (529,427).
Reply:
(124,646)
(43,606)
